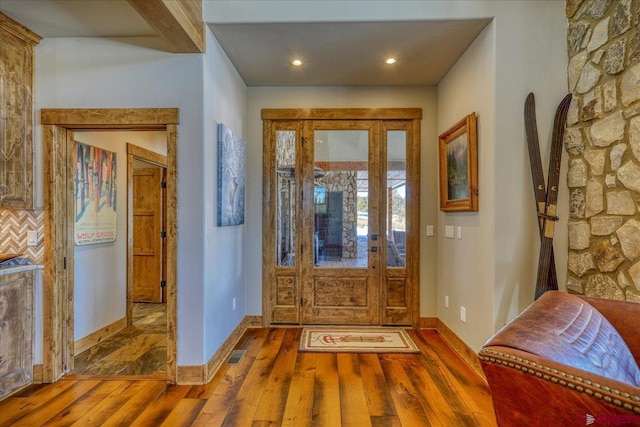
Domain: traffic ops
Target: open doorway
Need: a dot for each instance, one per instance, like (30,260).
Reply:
(120,314)
(59,129)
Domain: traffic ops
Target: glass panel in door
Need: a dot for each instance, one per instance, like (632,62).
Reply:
(341,199)
(396,187)
(284,214)
(341,272)
(398,212)
(285,198)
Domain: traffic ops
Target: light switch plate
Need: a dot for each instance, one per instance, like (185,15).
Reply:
(429,230)
(448,231)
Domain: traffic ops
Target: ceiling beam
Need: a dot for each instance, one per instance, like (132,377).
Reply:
(179,23)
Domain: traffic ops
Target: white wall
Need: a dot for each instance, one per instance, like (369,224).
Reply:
(492,271)
(466,267)
(529,45)
(225,101)
(341,97)
(115,73)
(100,270)
(530,57)
(119,73)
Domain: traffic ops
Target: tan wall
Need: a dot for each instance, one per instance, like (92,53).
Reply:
(343,97)
(603,142)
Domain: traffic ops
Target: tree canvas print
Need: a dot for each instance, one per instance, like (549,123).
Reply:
(231,177)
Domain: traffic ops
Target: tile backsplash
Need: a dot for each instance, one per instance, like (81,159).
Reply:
(13,233)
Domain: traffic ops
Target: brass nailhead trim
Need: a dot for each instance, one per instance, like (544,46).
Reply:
(485,355)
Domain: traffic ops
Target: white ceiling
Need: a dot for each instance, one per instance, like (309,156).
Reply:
(334,53)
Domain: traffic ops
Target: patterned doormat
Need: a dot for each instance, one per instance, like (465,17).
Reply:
(356,340)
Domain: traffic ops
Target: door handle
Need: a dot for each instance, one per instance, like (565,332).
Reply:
(374,249)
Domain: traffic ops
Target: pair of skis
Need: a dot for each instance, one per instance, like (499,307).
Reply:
(546,197)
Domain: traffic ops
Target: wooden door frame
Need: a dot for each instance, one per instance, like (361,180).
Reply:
(274,116)
(58,126)
(151,157)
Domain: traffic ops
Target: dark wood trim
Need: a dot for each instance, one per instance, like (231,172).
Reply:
(147,155)
(414,171)
(110,118)
(342,114)
(58,282)
(171,243)
(19,30)
(428,323)
(357,166)
(466,352)
(100,335)
(325,118)
(179,23)
(202,374)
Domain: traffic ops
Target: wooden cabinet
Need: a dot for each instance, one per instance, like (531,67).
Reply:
(16,330)
(17,45)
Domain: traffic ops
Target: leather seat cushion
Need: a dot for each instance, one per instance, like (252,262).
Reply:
(568,330)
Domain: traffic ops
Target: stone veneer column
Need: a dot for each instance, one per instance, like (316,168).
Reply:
(603,142)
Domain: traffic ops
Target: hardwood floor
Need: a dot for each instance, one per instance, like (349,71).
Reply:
(274,385)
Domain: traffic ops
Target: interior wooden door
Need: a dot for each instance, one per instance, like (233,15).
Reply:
(147,242)
(340,223)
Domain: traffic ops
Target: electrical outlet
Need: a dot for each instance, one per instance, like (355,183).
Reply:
(234,303)
(446,301)
(459,232)
(32,238)
(463,314)
(429,230)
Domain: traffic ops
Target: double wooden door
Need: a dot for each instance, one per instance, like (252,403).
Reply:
(338,186)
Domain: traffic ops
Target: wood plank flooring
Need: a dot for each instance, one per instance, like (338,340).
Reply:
(274,385)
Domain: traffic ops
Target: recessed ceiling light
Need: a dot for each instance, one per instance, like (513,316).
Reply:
(296,62)
(390,61)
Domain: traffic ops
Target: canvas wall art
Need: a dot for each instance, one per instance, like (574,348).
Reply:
(95,195)
(231,177)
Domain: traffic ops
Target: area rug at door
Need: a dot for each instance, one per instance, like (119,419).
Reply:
(356,340)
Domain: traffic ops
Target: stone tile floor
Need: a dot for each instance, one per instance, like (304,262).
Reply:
(140,349)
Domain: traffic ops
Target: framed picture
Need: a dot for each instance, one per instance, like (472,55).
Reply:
(231,177)
(95,195)
(458,152)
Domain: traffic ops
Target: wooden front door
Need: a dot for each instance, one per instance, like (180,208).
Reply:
(147,241)
(341,274)
(341,203)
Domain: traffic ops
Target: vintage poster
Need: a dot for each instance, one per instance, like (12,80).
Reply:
(95,195)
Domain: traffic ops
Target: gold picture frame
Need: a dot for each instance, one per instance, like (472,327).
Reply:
(458,159)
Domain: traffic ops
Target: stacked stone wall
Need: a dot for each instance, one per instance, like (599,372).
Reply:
(603,142)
